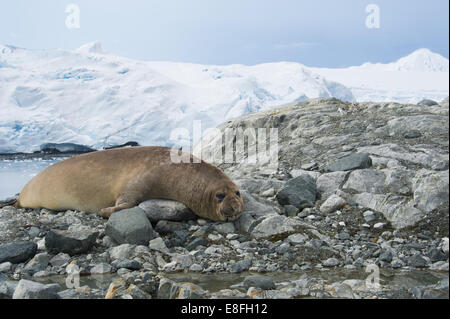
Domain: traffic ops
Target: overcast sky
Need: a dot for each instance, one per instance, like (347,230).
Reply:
(323,33)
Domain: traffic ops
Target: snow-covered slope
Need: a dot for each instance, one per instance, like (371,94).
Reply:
(90,97)
(422,74)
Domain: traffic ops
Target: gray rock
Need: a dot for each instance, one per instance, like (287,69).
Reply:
(299,192)
(162,209)
(278,226)
(417,261)
(122,251)
(169,289)
(437,255)
(366,180)
(328,183)
(7,288)
(427,102)
(159,245)
(241,265)
(27,289)
(102,268)
(259,281)
(70,242)
(225,228)
(131,264)
(244,222)
(350,162)
(198,241)
(60,260)
(130,226)
(65,148)
(17,252)
(333,203)
(38,263)
(431,189)
(5,267)
(290,211)
(330,262)
(412,134)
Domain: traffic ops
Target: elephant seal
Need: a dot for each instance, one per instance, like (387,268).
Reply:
(106,181)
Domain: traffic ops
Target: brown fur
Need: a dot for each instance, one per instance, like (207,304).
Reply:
(110,180)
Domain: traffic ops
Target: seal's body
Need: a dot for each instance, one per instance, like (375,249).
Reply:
(110,180)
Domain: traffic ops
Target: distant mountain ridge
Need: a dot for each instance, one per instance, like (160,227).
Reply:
(88,96)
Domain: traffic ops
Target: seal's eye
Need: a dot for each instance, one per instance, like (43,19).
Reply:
(220,197)
(238,194)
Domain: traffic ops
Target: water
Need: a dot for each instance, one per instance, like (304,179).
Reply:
(15,174)
(214,282)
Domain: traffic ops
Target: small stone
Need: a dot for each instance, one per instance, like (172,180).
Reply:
(131,264)
(369,216)
(241,265)
(378,225)
(202,222)
(17,252)
(330,262)
(159,245)
(198,241)
(427,102)
(121,252)
(290,210)
(412,134)
(70,242)
(333,203)
(5,267)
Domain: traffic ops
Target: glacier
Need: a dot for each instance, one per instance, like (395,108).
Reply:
(91,97)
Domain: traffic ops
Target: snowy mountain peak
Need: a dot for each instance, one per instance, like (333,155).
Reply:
(423,60)
(91,47)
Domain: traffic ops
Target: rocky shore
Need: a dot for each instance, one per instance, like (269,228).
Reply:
(360,188)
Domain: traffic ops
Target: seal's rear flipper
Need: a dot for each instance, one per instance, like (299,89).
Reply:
(14,203)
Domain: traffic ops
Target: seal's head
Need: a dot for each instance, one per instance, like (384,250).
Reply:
(229,204)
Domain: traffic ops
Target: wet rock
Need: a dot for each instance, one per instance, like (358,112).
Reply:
(161,209)
(27,289)
(299,192)
(169,289)
(130,226)
(350,162)
(70,242)
(17,252)
(102,268)
(259,281)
